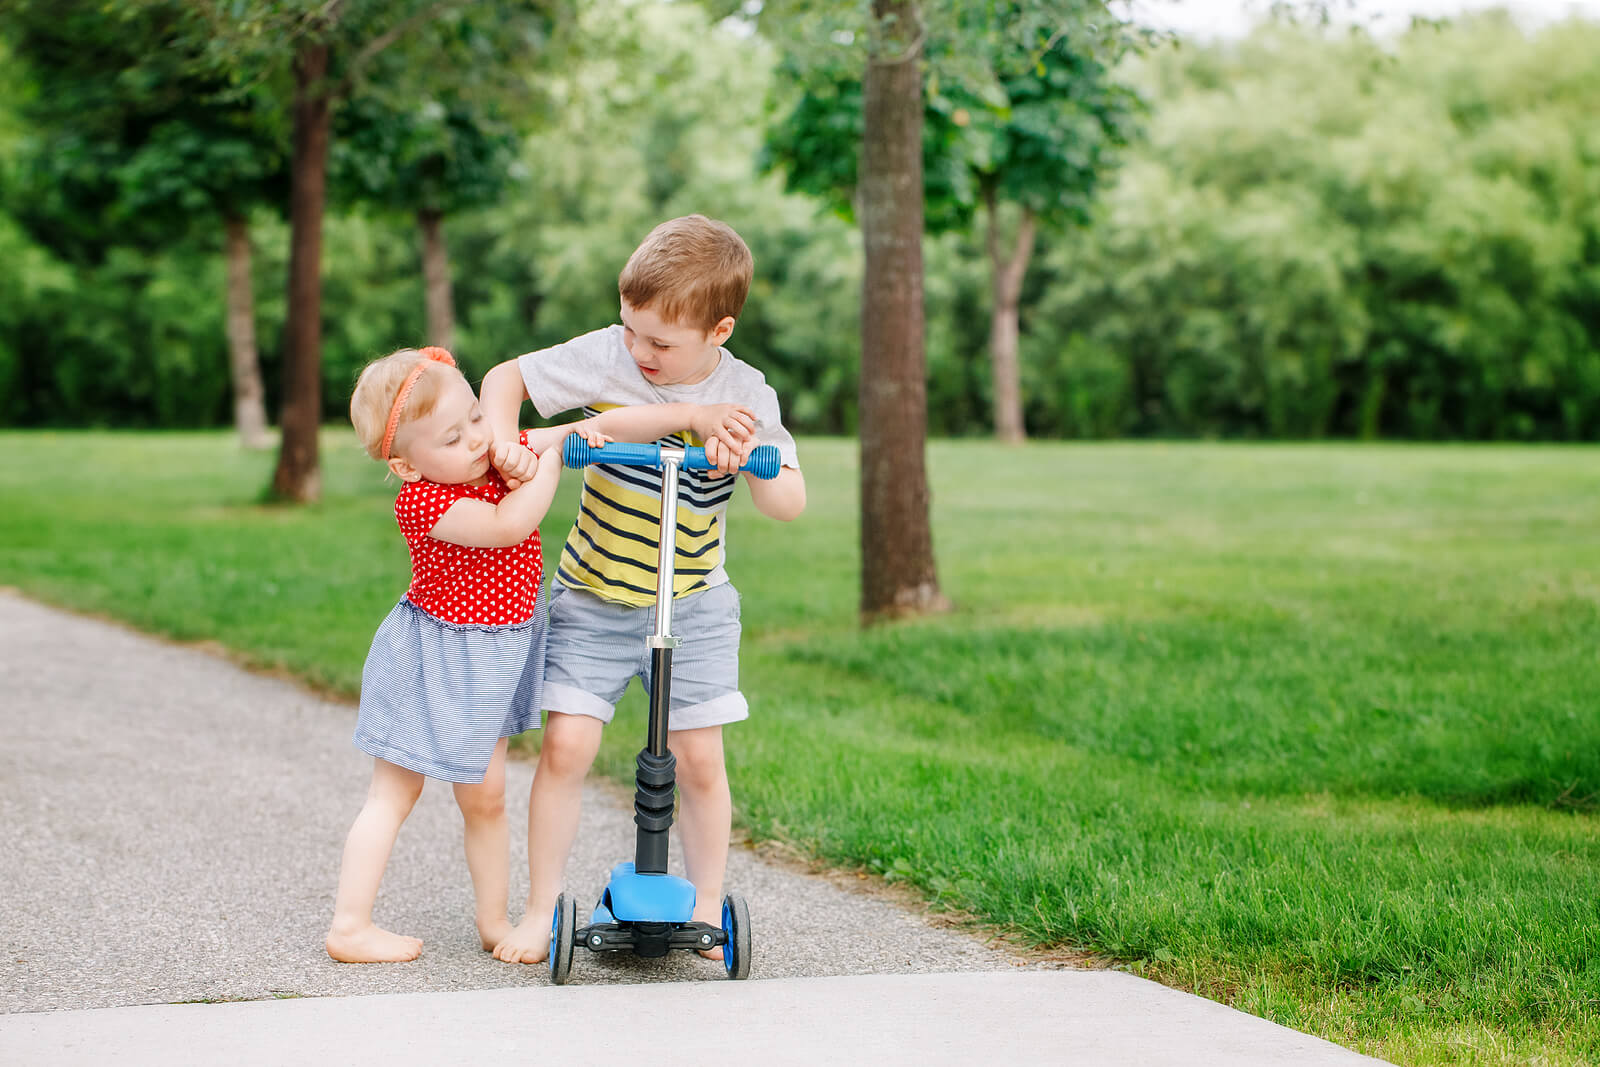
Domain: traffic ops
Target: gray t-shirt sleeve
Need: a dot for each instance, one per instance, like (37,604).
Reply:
(576,373)
(769,425)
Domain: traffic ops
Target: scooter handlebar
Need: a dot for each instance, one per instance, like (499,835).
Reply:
(764,462)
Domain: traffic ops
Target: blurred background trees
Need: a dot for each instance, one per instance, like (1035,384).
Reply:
(1310,232)
(132,145)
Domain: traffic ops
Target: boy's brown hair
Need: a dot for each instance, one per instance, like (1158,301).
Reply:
(692,271)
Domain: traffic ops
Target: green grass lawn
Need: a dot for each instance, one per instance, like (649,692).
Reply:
(1313,730)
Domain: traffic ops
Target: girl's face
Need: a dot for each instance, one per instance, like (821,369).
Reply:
(449,445)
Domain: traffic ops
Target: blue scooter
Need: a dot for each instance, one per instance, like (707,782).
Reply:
(644,909)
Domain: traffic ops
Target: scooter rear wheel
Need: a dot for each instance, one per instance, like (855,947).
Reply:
(563,930)
(736,924)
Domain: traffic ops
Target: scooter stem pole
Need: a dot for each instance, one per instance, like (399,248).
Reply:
(671,460)
(656,776)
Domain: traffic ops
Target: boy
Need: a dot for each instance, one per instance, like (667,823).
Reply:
(681,293)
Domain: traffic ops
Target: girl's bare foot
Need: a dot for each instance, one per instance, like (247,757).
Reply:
(372,944)
(493,932)
(529,942)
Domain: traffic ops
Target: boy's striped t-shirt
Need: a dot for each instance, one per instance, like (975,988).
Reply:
(612,549)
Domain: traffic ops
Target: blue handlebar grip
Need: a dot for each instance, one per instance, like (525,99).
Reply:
(764,463)
(576,452)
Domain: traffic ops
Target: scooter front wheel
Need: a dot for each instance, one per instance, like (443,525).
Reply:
(736,924)
(563,931)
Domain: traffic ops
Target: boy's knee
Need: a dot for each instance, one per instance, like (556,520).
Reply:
(700,764)
(569,745)
(697,779)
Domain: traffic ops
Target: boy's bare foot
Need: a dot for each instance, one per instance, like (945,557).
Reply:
(529,942)
(372,944)
(493,932)
(710,920)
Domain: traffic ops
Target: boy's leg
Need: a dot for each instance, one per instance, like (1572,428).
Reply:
(554,803)
(352,937)
(488,845)
(705,818)
(706,697)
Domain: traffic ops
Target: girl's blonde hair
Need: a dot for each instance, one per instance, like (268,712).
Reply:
(379,383)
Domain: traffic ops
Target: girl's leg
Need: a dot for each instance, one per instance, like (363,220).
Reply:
(488,844)
(705,818)
(567,750)
(352,937)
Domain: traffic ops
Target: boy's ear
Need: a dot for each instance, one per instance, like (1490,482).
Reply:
(721,331)
(403,469)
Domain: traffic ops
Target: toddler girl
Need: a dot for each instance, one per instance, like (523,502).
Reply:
(458,665)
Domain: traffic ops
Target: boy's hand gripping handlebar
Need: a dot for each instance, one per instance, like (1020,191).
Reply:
(764,463)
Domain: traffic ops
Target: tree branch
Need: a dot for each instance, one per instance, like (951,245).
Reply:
(371,49)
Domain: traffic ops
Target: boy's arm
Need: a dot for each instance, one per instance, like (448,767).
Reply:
(783,498)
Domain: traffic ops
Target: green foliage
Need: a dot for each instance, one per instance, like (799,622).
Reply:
(126,141)
(1306,728)
(686,111)
(439,155)
(1315,236)
(1335,236)
(1037,125)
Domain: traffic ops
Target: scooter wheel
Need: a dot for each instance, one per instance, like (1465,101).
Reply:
(563,931)
(736,924)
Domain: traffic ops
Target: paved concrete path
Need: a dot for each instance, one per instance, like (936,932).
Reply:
(172,828)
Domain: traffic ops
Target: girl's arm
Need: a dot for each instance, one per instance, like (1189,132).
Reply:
(480,524)
(733,423)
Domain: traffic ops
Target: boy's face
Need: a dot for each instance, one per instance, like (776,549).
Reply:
(669,354)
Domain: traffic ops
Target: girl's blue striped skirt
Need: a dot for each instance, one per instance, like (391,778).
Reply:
(436,696)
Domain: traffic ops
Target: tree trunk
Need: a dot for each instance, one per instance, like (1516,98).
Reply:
(436,278)
(1008,271)
(897,568)
(249,397)
(298,476)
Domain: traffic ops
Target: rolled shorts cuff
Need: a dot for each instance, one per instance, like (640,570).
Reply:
(719,711)
(569,700)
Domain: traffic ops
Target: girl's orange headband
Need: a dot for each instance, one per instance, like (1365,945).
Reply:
(431,354)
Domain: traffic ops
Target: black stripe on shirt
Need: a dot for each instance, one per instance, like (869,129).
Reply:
(650,567)
(654,543)
(646,516)
(696,492)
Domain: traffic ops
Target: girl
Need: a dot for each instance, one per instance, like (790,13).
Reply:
(457,666)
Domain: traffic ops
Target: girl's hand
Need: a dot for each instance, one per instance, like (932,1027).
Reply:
(516,464)
(585,429)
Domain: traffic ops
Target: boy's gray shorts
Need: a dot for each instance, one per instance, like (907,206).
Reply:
(597,647)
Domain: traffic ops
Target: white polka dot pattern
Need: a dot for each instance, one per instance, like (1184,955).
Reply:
(471,586)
